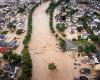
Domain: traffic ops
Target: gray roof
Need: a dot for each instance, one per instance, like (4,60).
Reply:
(71,45)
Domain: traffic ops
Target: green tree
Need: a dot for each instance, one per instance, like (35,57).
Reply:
(93,37)
(51,66)
(92,48)
(19,31)
(60,27)
(62,44)
(79,29)
(11,26)
(80,48)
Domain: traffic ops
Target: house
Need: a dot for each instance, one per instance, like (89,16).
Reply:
(3,49)
(93,25)
(11,70)
(1,20)
(95,60)
(11,44)
(96,20)
(96,32)
(84,35)
(2,37)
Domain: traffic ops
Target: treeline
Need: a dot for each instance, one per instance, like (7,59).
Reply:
(26,59)
(50,11)
(26,65)
(29,31)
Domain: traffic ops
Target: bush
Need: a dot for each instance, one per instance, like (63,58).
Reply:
(79,29)
(64,35)
(56,35)
(94,37)
(62,44)
(88,49)
(19,31)
(4,32)
(83,78)
(11,26)
(74,39)
(12,57)
(51,66)
(60,27)
(80,48)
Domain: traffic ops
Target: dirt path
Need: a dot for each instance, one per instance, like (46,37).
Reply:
(44,49)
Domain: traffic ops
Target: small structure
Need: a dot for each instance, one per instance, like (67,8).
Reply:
(2,37)
(12,44)
(10,70)
(84,35)
(95,60)
(3,49)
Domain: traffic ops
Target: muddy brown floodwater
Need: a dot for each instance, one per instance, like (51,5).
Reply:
(44,49)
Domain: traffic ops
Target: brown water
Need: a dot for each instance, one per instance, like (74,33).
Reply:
(44,49)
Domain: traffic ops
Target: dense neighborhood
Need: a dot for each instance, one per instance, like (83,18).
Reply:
(50,40)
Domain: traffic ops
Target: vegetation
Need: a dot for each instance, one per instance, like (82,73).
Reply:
(19,31)
(87,49)
(83,78)
(80,49)
(51,66)
(84,2)
(83,42)
(12,57)
(53,5)
(85,19)
(11,26)
(86,46)
(27,63)
(94,37)
(21,10)
(50,10)
(71,12)
(4,32)
(51,23)
(29,31)
(60,27)
(79,29)
(62,44)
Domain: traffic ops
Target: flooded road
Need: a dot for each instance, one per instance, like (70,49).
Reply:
(44,49)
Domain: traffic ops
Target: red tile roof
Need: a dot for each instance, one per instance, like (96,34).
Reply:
(3,49)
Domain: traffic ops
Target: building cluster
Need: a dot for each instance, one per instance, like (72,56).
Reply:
(13,17)
(71,13)
(78,15)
